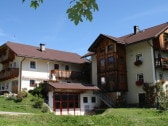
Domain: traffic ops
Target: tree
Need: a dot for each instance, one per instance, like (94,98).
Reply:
(78,10)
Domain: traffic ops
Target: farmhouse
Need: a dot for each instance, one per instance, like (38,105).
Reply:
(118,69)
(121,65)
(24,67)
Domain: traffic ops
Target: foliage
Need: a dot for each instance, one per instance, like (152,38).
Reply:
(162,98)
(40,91)
(78,10)
(45,108)
(82,9)
(150,95)
(34,3)
(38,102)
(20,96)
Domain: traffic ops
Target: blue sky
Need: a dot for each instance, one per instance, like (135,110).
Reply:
(49,24)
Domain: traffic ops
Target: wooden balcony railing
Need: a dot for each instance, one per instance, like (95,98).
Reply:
(9,73)
(161,63)
(66,74)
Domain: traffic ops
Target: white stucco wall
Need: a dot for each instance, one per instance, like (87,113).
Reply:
(147,68)
(89,105)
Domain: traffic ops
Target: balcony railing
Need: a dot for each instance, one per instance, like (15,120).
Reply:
(66,74)
(9,73)
(162,63)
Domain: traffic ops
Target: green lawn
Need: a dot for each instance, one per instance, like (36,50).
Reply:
(24,106)
(109,117)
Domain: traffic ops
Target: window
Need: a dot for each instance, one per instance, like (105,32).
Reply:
(85,99)
(102,50)
(102,62)
(160,76)
(111,60)
(140,77)
(33,64)
(56,66)
(66,100)
(93,99)
(103,80)
(32,83)
(139,57)
(110,48)
(66,67)
(14,65)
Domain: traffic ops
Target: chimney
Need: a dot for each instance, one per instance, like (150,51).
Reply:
(136,29)
(42,47)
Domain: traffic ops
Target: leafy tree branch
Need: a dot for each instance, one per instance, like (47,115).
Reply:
(78,10)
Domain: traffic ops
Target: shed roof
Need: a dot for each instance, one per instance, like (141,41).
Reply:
(72,86)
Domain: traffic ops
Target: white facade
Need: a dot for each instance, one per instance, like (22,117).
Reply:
(147,68)
(41,72)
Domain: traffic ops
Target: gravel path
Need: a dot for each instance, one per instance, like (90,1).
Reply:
(13,113)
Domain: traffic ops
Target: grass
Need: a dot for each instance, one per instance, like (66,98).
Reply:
(24,106)
(109,117)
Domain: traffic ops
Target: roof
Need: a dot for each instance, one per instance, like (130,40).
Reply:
(49,54)
(145,34)
(101,36)
(72,86)
(88,54)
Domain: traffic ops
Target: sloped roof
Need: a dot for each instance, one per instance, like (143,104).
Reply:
(71,86)
(49,54)
(145,34)
(101,36)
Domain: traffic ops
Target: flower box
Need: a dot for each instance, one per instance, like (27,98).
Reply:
(138,62)
(139,82)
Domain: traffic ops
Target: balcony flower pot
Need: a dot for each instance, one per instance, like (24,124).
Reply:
(138,62)
(139,82)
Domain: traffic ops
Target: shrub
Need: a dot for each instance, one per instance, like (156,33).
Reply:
(18,98)
(45,108)
(22,94)
(38,102)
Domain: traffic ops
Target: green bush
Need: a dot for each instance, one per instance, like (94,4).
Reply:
(38,102)
(45,108)
(18,98)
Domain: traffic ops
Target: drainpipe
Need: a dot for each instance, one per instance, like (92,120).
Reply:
(20,79)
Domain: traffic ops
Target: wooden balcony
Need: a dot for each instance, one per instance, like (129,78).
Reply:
(161,63)
(9,73)
(66,74)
